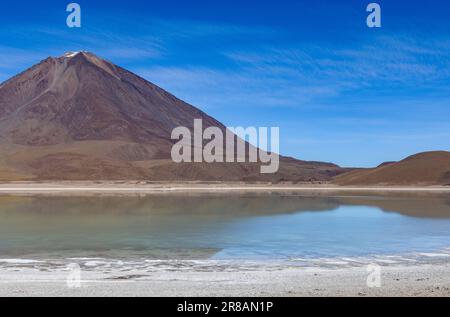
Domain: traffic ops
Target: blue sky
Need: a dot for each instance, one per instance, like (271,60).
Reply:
(338,90)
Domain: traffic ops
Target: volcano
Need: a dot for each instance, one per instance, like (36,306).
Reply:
(80,117)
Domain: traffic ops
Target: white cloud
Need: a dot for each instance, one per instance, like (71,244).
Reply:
(233,88)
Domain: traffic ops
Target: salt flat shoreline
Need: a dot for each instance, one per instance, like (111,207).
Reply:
(421,280)
(143,187)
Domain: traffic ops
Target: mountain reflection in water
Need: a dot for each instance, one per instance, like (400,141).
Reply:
(226,226)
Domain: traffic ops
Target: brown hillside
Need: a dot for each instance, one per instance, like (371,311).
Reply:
(429,168)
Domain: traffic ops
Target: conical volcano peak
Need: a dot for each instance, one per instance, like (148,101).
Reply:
(79,97)
(87,57)
(82,55)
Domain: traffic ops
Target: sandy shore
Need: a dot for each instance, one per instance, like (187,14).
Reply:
(145,187)
(422,280)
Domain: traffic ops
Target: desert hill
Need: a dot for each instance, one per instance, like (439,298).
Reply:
(429,168)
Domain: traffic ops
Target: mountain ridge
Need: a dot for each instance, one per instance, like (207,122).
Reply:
(426,168)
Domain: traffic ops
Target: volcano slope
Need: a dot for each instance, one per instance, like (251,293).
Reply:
(80,117)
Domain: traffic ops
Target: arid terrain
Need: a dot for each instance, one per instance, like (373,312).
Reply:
(430,168)
(79,117)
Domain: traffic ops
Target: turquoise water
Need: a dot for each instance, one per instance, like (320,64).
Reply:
(224,227)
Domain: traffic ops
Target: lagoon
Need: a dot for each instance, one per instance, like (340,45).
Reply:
(308,229)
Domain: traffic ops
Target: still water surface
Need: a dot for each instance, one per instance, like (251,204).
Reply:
(289,226)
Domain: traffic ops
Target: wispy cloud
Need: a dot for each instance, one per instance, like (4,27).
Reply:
(233,88)
(307,76)
(385,60)
(189,30)
(14,60)
(10,56)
